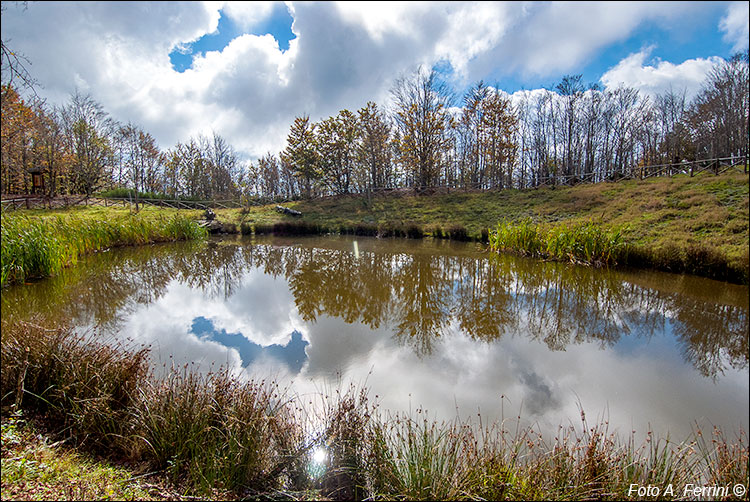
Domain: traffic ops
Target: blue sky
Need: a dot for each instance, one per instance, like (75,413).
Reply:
(699,38)
(278,24)
(246,69)
(292,354)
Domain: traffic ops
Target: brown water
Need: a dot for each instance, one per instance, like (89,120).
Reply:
(434,324)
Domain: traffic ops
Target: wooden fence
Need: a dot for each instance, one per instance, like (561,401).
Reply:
(38,201)
(691,168)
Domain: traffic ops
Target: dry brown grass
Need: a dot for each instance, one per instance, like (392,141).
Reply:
(213,436)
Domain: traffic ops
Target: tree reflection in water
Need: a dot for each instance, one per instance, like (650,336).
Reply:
(422,290)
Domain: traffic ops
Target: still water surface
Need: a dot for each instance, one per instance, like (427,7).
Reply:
(440,325)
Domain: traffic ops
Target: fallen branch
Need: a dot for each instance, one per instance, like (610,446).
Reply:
(286,210)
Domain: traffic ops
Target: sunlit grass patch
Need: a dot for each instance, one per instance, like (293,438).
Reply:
(34,469)
(586,242)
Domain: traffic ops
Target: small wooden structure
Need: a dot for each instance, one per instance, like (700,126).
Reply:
(37,180)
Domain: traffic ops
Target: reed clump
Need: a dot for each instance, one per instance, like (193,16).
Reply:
(206,432)
(437,232)
(77,383)
(410,230)
(246,228)
(375,455)
(587,242)
(459,233)
(213,433)
(35,247)
(260,228)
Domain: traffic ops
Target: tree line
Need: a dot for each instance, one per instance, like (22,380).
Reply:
(425,137)
(81,150)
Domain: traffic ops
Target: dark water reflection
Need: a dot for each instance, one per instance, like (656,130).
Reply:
(435,323)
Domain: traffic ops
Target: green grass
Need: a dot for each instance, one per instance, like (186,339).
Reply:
(212,435)
(667,223)
(40,246)
(705,198)
(586,242)
(34,469)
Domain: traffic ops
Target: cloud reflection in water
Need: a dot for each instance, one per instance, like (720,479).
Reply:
(430,324)
(292,354)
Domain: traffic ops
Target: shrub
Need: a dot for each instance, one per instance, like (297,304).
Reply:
(414,231)
(458,233)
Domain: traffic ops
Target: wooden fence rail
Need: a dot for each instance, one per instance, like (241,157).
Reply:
(691,168)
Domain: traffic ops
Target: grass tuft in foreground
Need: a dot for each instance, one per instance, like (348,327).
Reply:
(213,434)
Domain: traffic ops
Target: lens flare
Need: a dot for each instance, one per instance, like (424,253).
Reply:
(319,455)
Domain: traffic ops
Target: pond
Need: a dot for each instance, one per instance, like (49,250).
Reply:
(440,326)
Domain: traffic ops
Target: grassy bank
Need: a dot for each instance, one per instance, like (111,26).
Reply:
(39,246)
(213,434)
(696,225)
(598,245)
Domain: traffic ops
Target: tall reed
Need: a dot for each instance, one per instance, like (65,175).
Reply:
(585,242)
(213,431)
(34,247)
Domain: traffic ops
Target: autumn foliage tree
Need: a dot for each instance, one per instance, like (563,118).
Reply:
(17,131)
(301,154)
(421,104)
(336,140)
(89,131)
(52,156)
(374,153)
(141,158)
(487,138)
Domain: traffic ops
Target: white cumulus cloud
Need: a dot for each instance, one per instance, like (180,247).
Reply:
(344,55)
(735,25)
(659,76)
